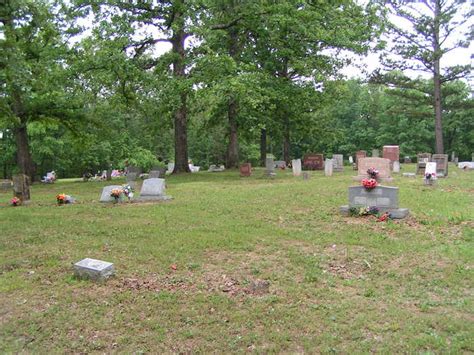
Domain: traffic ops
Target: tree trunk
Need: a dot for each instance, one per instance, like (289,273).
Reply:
(180,116)
(233,148)
(286,141)
(263,146)
(23,156)
(437,83)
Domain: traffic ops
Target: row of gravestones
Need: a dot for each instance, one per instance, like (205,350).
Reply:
(441,161)
(153,189)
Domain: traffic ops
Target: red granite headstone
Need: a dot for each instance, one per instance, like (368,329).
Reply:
(359,155)
(313,162)
(246,169)
(391,152)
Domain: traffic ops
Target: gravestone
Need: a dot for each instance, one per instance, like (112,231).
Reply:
(153,190)
(269,167)
(407,160)
(421,160)
(410,175)
(472,157)
(296,166)
(170,168)
(132,179)
(313,161)
(154,174)
(338,162)
(5,185)
(391,152)
(21,187)
(466,165)
(441,161)
(381,164)
(431,168)
(351,160)
(246,169)
(385,198)
(216,169)
(359,155)
(93,269)
(106,191)
(306,175)
(280,164)
(375,153)
(328,167)
(396,166)
(453,156)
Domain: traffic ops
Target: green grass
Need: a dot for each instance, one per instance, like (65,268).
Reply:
(337,284)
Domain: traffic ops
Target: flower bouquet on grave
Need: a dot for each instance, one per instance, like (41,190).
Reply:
(429,178)
(364,211)
(127,191)
(116,194)
(61,199)
(373,173)
(369,184)
(15,201)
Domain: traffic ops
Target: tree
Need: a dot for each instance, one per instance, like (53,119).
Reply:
(423,43)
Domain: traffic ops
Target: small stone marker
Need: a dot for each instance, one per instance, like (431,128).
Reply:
(385,198)
(216,169)
(421,160)
(396,166)
(410,175)
(296,166)
(153,190)
(375,153)
(105,196)
(338,162)
(441,161)
(269,167)
(5,185)
(246,169)
(313,161)
(381,164)
(306,175)
(21,187)
(96,270)
(328,167)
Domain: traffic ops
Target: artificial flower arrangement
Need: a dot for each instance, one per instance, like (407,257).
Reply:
(116,193)
(63,199)
(369,184)
(127,191)
(369,211)
(15,201)
(430,176)
(373,173)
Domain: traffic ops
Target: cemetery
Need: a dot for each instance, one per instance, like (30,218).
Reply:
(181,177)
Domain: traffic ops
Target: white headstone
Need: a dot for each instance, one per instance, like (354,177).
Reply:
(105,196)
(351,160)
(396,166)
(328,167)
(430,168)
(170,168)
(96,270)
(296,165)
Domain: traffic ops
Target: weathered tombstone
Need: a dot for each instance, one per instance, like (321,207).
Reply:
(106,191)
(154,174)
(375,153)
(216,169)
(170,168)
(269,167)
(5,185)
(422,159)
(296,166)
(96,270)
(328,167)
(306,175)
(359,155)
(351,160)
(391,152)
(245,169)
(313,162)
(280,164)
(21,187)
(381,164)
(453,155)
(153,190)
(396,166)
(338,162)
(441,161)
(132,179)
(431,168)
(385,198)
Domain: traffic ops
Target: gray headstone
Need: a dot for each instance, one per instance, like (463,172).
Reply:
(281,164)
(154,174)
(296,166)
(132,176)
(385,198)
(153,190)
(396,166)
(105,196)
(375,153)
(5,185)
(93,269)
(269,167)
(328,166)
(338,162)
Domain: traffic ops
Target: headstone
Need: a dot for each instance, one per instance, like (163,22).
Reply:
(193,168)
(5,185)
(245,169)
(431,168)
(153,190)
(410,175)
(351,160)
(105,196)
(472,157)
(466,165)
(328,167)
(296,166)
(359,155)
(280,164)
(391,152)
(313,162)
(453,156)
(381,164)
(407,160)
(154,174)
(132,176)
(338,162)
(456,160)
(441,161)
(216,169)
(170,168)
(21,187)
(396,166)
(269,167)
(96,270)
(422,159)
(306,175)
(385,198)
(375,153)
(134,169)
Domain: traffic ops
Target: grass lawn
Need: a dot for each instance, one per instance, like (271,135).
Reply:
(336,284)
